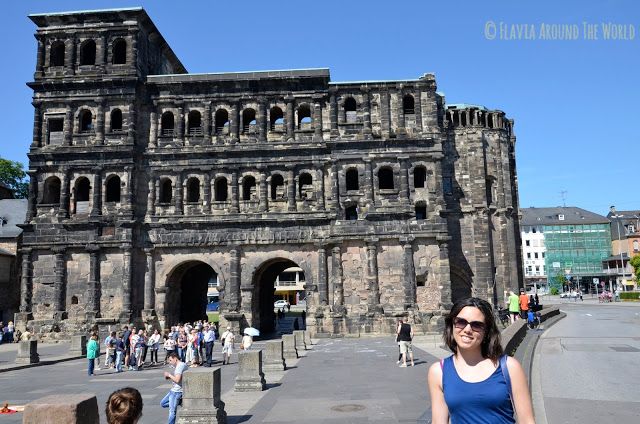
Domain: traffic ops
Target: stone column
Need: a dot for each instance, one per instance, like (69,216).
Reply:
(369,186)
(418,109)
(323,283)
(233,292)
(67,408)
(366,106)
(26,288)
(96,190)
(291,191)
(404,180)
(151,199)
(32,206)
(274,358)
(149,280)
(235,198)
(40,58)
(299,336)
(180,128)
(235,121)
(125,314)
(385,113)
(335,195)
(262,121)
(408,275)
(445,275)
(101,52)
(63,210)
(178,195)
(69,56)
(263,205)
(201,402)
(27,353)
(37,125)
(153,128)
(206,201)
(78,345)
(372,274)
(338,289)
(289,346)
(333,114)
(320,187)
(250,377)
(317,119)
(68,126)
(94,282)
(290,118)
(59,282)
(206,122)
(100,123)
(131,124)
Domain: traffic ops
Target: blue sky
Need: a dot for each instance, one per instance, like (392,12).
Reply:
(574,102)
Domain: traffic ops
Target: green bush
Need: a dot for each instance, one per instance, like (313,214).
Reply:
(554,291)
(630,295)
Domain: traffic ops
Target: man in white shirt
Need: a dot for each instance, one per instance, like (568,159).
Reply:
(227,345)
(172,399)
(209,339)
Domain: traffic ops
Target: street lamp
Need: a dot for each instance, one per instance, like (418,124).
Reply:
(617,217)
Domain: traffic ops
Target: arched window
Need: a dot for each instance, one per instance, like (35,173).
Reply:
(74,300)
(119,52)
(113,189)
(350,110)
(421,211)
(353,182)
(248,120)
(51,193)
(385,179)
(276,118)
(248,188)
(195,123)
(88,53)
(305,185)
(304,117)
(56,56)
(193,190)
(86,121)
(166,190)
(222,122)
(277,187)
(82,192)
(167,124)
(351,213)
(220,190)
(419,176)
(408,105)
(116,120)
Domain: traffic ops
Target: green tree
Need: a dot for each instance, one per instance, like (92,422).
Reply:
(635,263)
(558,282)
(13,176)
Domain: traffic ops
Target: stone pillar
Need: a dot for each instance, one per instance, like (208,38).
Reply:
(153,129)
(78,345)
(37,126)
(149,280)
(262,121)
(28,352)
(63,210)
(404,180)
(307,338)
(274,358)
(233,292)
(408,275)
(125,315)
(291,191)
(32,206)
(369,184)
(338,290)
(366,106)
(127,192)
(151,199)
(250,377)
(93,307)
(445,275)
(299,336)
(320,187)
(372,274)
(385,113)
(289,346)
(201,402)
(263,205)
(206,201)
(101,52)
(96,190)
(290,118)
(69,56)
(178,195)
(323,283)
(206,122)
(234,124)
(68,126)
(69,409)
(26,288)
(334,205)
(59,281)
(180,128)
(317,119)
(418,109)
(235,197)
(333,114)
(100,123)
(40,58)
(131,124)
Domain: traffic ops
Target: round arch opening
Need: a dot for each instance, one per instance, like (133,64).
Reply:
(191,286)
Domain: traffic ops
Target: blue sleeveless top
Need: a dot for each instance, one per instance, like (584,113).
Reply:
(486,401)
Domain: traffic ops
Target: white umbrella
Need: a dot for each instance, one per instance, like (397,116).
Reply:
(250,331)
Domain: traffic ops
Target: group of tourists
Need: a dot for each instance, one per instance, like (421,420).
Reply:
(519,306)
(8,333)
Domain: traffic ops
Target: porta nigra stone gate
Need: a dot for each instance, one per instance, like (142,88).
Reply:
(146,181)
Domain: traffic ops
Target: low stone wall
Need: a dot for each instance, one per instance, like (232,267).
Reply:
(513,334)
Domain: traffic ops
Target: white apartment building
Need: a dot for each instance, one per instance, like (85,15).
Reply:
(533,250)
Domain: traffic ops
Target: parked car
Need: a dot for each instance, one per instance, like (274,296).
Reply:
(280,303)
(569,295)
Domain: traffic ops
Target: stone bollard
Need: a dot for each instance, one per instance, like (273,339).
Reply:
(201,401)
(250,377)
(78,346)
(68,409)
(274,359)
(28,352)
(289,346)
(307,338)
(299,335)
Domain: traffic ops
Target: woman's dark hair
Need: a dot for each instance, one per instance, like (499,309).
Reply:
(491,347)
(124,406)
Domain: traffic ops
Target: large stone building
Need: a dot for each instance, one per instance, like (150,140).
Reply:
(147,182)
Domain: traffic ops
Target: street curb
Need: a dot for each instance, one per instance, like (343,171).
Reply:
(41,363)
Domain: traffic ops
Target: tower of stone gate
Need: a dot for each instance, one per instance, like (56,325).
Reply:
(148,182)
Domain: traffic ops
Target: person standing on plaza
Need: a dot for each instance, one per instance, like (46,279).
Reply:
(93,349)
(154,344)
(120,351)
(183,342)
(169,347)
(107,344)
(246,343)
(524,304)
(126,334)
(124,406)
(398,324)
(172,399)
(228,339)
(513,303)
(478,383)
(209,339)
(405,335)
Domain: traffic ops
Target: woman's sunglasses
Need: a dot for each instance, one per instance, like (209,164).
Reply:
(461,323)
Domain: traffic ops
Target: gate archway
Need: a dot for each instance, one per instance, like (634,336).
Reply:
(187,287)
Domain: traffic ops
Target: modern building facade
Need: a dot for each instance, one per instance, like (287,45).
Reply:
(146,181)
(533,250)
(625,243)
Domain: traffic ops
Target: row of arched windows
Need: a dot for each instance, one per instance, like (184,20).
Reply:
(85,121)
(385,178)
(88,52)
(81,189)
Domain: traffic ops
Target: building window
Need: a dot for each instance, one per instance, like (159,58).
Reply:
(419,177)
(248,120)
(82,191)
(350,112)
(167,124)
(304,117)
(408,105)
(56,131)
(636,246)
(305,186)
(385,179)
(88,53)
(222,122)
(560,217)
(542,255)
(277,187)
(51,194)
(351,213)
(535,255)
(421,212)
(116,120)
(528,255)
(220,190)
(195,123)
(56,56)
(86,121)
(193,190)
(113,189)
(352,179)
(527,243)
(119,52)
(533,230)
(248,188)
(276,119)
(166,191)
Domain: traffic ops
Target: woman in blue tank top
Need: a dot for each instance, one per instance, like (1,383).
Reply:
(478,383)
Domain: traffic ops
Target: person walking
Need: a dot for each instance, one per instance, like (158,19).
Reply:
(92,353)
(172,399)
(107,345)
(126,335)
(524,304)
(228,338)
(124,406)
(398,324)
(209,340)
(478,383)
(405,335)
(513,303)
(120,351)
(154,344)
